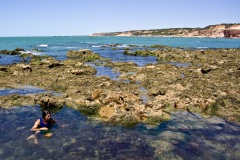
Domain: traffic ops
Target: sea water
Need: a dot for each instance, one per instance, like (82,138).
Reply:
(185,136)
(107,47)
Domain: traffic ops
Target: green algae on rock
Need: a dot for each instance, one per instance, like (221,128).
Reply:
(84,54)
(210,85)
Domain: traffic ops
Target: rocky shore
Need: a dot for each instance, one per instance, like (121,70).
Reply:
(207,83)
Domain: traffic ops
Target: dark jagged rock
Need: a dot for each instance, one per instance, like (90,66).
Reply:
(17,51)
(205,70)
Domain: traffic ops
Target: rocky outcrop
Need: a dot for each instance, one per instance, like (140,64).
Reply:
(48,101)
(79,53)
(207,83)
(83,55)
(15,100)
(17,51)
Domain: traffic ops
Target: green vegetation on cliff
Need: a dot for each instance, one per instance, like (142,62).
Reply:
(218,30)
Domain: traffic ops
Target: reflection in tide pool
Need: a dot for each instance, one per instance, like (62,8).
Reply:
(186,136)
(23,90)
(105,71)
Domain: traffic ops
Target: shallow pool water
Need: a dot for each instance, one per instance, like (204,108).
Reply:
(80,138)
(24,90)
(185,136)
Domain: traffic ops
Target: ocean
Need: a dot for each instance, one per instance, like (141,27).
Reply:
(107,47)
(185,136)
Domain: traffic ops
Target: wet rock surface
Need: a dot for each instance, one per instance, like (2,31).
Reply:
(208,85)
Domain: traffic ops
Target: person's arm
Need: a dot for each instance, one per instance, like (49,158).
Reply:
(35,126)
(53,122)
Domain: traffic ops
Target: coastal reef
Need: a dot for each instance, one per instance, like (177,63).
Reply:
(197,81)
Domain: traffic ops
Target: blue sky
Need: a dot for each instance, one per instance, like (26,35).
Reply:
(84,17)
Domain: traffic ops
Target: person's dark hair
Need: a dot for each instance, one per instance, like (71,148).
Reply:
(44,113)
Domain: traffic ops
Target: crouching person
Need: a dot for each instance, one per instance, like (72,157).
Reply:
(43,125)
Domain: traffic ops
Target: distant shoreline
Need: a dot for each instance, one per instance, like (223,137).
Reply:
(212,31)
(166,36)
(163,36)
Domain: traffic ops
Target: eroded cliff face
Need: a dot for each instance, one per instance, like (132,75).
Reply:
(221,30)
(232,33)
(213,31)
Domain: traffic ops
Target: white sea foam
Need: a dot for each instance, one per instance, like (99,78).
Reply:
(36,53)
(122,46)
(201,47)
(30,52)
(71,47)
(43,45)
(90,42)
(98,46)
(55,47)
(95,46)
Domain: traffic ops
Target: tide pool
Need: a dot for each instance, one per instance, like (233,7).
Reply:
(185,136)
